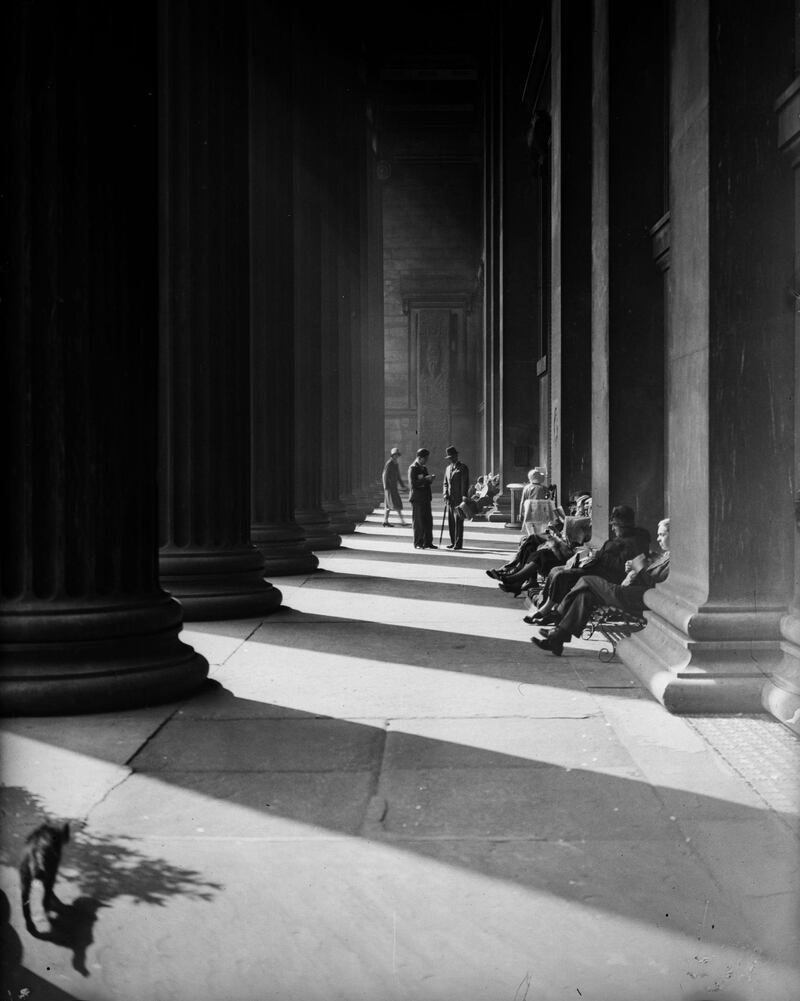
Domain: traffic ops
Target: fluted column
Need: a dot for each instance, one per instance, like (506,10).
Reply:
(781,693)
(84,624)
(207,559)
(273,531)
(714,627)
(375,347)
(309,375)
(353,289)
(340,517)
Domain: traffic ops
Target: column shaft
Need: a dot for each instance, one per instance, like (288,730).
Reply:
(207,559)
(309,375)
(84,625)
(274,531)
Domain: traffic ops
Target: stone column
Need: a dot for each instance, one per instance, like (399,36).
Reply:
(713,632)
(781,693)
(355,234)
(572,380)
(350,417)
(374,313)
(207,560)
(274,531)
(331,190)
(309,375)
(84,625)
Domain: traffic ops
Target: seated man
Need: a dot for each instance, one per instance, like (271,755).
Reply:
(576,608)
(609,563)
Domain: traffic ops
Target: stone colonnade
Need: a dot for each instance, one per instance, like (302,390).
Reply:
(178,259)
(683,310)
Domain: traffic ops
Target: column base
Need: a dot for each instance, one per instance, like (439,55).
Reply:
(284,548)
(218,584)
(58,660)
(339,519)
(718,671)
(781,693)
(317,529)
(357,507)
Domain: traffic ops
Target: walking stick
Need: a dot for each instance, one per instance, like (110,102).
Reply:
(441,530)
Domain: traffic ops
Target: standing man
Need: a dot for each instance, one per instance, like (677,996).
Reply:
(455,489)
(419,484)
(392,481)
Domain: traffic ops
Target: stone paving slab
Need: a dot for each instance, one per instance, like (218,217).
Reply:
(265,745)
(516,743)
(112,737)
(547,802)
(264,805)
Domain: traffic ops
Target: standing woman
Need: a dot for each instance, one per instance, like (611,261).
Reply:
(392,481)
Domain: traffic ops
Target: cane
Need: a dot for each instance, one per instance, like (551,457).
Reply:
(441,531)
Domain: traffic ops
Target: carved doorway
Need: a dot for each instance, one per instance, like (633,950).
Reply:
(439,376)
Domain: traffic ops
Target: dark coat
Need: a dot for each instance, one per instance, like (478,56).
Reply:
(419,489)
(455,487)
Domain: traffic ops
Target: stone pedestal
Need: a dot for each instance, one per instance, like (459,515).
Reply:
(714,628)
(207,560)
(273,531)
(84,625)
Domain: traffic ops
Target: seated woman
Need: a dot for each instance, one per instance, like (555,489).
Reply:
(609,563)
(553,552)
(528,545)
(575,610)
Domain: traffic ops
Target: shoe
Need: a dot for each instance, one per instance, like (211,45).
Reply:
(552,644)
(493,574)
(418,547)
(388,524)
(457,548)
(531,620)
(510,589)
(451,546)
(430,547)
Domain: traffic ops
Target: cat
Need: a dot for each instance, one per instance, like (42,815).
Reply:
(40,861)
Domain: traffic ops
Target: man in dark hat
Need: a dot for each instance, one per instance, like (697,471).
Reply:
(419,484)
(455,490)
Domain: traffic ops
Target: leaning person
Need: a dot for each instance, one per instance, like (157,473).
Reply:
(576,609)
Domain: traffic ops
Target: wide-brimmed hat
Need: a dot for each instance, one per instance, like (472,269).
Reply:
(450,452)
(422,451)
(538,474)
(395,451)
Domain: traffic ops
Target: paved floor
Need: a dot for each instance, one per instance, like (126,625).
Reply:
(387,792)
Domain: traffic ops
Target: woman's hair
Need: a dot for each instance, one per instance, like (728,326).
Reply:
(665,522)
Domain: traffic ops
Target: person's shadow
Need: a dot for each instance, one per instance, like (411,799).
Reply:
(71,927)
